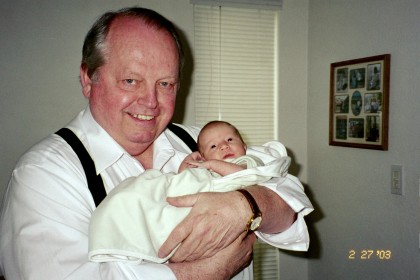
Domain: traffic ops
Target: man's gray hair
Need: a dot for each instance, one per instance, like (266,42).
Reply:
(94,46)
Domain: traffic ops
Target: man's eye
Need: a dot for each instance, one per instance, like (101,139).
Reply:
(130,81)
(166,85)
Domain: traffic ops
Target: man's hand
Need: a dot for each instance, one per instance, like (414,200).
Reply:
(215,221)
(223,265)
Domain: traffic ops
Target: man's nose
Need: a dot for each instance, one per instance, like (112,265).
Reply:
(148,97)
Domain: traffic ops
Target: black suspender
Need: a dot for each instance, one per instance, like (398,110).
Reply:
(184,136)
(95,183)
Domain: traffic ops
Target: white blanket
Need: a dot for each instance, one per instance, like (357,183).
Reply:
(134,219)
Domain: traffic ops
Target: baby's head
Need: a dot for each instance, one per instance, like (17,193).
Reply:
(220,140)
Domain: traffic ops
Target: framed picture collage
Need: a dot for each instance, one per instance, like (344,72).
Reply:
(359,96)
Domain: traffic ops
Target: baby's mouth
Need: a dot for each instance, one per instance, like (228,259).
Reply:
(228,156)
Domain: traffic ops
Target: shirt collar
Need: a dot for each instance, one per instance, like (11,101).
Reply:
(105,151)
(163,151)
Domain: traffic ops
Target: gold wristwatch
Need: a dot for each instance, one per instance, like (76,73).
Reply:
(256,218)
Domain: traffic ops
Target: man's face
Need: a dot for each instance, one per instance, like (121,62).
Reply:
(133,94)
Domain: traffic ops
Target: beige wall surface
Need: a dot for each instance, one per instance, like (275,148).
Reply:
(351,187)
(292,110)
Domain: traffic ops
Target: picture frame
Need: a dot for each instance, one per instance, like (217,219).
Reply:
(359,102)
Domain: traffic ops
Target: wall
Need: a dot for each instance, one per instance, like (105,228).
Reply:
(292,113)
(351,187)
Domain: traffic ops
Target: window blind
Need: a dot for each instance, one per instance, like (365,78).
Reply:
(235,80)
(235,69)
(258,4)
(266,262)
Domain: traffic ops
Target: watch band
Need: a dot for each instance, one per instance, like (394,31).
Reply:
(255,221)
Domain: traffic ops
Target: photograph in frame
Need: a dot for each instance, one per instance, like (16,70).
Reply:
(359,102)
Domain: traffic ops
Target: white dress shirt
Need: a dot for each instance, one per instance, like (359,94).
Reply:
(47,207)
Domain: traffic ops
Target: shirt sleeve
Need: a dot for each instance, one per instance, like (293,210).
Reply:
(296,237)
(290,189)
(44,225)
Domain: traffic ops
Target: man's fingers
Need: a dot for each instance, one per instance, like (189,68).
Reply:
(205,231)
(183,229)
(183,201)
(182,254)
(176,237)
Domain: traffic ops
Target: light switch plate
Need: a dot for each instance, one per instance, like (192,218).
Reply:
(396,179)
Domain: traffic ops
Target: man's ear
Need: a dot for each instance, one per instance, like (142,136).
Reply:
(85,81)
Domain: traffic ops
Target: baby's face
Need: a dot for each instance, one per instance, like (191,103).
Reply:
(221,142)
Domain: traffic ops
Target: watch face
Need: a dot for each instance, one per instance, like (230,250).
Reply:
(256,223)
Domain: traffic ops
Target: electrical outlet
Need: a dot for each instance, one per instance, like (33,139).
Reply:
(396,179)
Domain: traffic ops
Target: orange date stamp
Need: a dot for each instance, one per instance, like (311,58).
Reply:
(369,254)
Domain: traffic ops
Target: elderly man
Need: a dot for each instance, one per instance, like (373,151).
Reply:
(130,73)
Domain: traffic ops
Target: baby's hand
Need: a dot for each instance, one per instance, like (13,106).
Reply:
(194,164)
(191,161)
(195,156)
(202,163)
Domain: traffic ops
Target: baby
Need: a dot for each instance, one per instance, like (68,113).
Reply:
(141,219)
(218,142)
